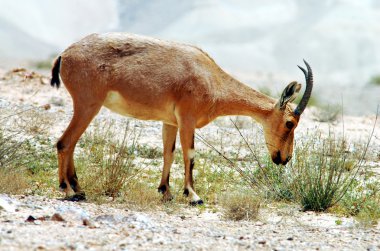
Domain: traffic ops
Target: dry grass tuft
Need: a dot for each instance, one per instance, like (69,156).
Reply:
(141,196)
(327,113)
(106,162)
(13,159)
(13,181)
(112,165)
(241,206)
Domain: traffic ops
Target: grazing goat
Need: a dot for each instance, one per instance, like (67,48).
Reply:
(178,84)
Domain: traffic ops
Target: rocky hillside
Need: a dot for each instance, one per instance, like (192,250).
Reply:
(260,43)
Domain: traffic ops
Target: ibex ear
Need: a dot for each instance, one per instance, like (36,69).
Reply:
(288,95)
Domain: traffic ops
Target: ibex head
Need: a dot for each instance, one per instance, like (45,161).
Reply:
(283,119)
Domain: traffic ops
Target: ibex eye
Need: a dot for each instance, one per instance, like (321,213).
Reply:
(289,125)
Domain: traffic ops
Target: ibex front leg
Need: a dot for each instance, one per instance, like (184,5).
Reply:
(187,131)
(169,134)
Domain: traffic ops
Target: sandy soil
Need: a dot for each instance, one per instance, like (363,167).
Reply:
(31,222)
(62,225)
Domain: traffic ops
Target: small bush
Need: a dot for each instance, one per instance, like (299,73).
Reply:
(140,195)
(320,174)
(375,80)
(26,154)
(268,180)
(362,200)
(212,177)
(13,181)
(278,185)
(322,178)
(144,151)
(44,64)
(327,113)
(10,150)
(328,172)
(14,157)
(107,161)
(313,101)
(240,206)
(369,213)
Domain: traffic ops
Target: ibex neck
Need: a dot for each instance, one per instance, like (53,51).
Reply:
(240,99)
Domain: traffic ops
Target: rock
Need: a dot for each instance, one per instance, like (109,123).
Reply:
(8,204)
(110,218)
(140,221)
(57,101)
(57,217)
(72,213)
(30,219)
(46,107)
(88,223)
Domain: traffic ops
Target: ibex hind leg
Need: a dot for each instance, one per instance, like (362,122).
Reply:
(169,134)
(187,131)
(68,180)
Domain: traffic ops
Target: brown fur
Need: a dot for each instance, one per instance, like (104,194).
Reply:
(151,79)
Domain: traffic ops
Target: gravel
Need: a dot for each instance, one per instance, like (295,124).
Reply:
(61,225)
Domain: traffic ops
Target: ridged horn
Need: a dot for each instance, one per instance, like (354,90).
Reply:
(309,87)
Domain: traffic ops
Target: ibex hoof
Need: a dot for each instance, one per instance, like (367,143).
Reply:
(162,189)
(76,197)
(196,203)
(62,186)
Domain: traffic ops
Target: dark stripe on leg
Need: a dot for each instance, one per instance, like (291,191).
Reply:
(191,171)
(191,166)
(63,185)
(74,182)
(173,147)
(192,143)
(60,146)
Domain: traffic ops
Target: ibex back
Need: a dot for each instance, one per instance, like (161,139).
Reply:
(177,84)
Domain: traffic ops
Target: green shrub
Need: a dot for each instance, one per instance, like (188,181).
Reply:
(313,101)
(362,200)
(327,113)
(322,178)
(375,80)
(321,173)
(11,152)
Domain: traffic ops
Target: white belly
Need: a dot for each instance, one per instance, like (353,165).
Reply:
(117,103)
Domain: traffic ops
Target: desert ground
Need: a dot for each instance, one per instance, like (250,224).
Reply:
(42,221)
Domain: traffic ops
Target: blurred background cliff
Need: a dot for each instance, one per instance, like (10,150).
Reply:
(258,42)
